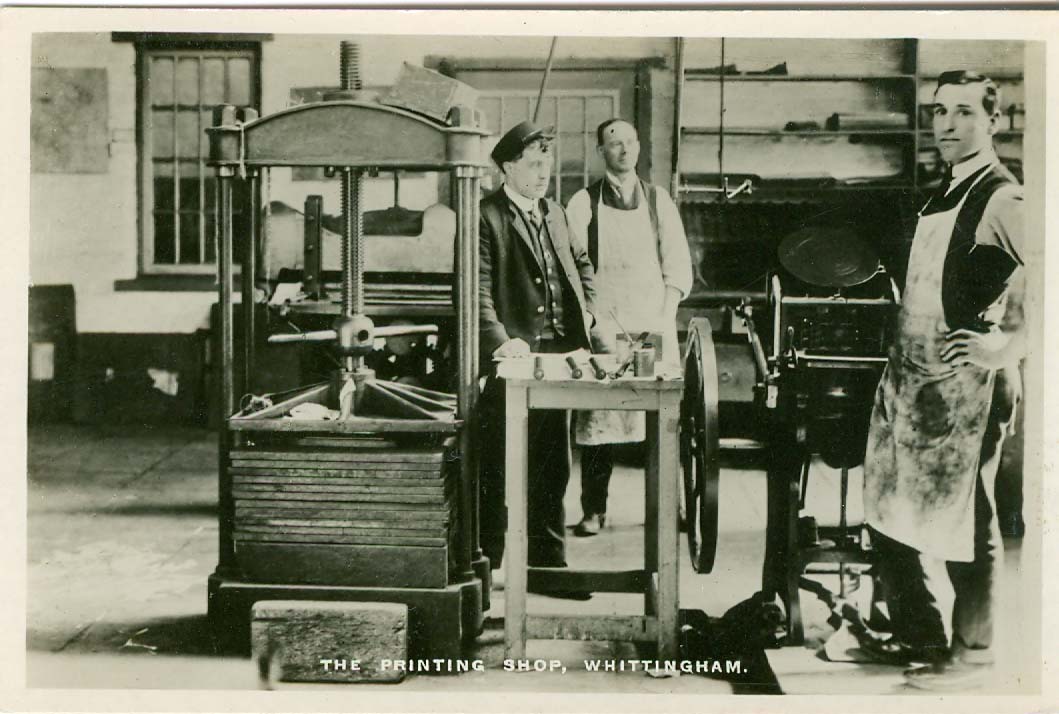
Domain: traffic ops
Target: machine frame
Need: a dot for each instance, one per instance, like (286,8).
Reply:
(792,404)
(353,137)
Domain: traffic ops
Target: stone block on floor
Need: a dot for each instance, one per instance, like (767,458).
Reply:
(316,641)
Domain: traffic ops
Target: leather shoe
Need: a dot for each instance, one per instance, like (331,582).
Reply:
(590,525)
(1012,525)
(892,651)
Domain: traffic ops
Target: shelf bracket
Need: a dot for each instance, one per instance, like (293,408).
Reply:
(746,186)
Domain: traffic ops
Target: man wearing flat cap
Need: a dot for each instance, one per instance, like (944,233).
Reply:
(536,295)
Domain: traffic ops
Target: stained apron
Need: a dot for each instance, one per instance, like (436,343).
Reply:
(628,282)
(929,417)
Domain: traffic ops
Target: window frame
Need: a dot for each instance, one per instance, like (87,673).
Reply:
(631,76)
(589,133)
(169,276)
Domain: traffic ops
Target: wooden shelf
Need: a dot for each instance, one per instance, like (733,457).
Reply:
(1001,133)
(800,194)
(928,77)
(408,309)
(701,76)
(711,131)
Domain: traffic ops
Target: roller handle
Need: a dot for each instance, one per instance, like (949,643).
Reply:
(313,336)
(744,311)
(597,368)
(538,368)
(397,330)
(632,351)
(328,335)
(575,370)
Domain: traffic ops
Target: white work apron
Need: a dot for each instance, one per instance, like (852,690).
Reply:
(629,284)
(929,417)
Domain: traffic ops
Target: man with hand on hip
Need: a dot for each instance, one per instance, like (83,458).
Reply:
(946,401)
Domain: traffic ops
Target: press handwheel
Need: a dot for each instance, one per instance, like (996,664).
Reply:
(700,445)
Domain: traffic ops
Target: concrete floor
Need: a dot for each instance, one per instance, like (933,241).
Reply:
(122,535)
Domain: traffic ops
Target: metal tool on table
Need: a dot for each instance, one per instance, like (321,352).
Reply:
(636,345)
(643,360)
(575,369)
(352,470)
(832,306)
(597,368)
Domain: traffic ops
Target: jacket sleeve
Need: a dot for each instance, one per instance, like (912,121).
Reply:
(491,332)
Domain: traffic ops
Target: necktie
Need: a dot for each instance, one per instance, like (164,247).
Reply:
(946,182)
(535,217)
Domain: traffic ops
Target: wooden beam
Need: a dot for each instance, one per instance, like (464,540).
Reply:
(534,64)
(180,39)
(332,469)
(592,581)
(404,456)
(616,628)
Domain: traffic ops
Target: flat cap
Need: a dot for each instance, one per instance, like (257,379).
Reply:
(517,138)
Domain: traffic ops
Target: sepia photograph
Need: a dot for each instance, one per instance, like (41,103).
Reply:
(438,364)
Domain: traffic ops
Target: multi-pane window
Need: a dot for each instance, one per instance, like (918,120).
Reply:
(179,89)
(575,114)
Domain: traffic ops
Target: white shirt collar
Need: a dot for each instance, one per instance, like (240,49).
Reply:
(960,171)
(626,185)
(526,205)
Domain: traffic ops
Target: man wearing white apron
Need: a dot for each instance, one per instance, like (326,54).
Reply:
(637,245)
(946,400)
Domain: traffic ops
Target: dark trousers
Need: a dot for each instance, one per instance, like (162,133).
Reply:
(920,589)
(1009,477)
(597,465)
(547,478)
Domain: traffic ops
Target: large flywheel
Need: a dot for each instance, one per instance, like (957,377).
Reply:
(699,444)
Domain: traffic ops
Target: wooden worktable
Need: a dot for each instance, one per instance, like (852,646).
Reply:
(659,396)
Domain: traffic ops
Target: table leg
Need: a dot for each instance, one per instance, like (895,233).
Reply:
(650,527)
(516,467)
(666,474)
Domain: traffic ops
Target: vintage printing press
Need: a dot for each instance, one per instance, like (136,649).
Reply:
(309,507)
(372,496)
(832,308)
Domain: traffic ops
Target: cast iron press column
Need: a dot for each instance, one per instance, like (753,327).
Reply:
(472,357)
(226,554)
(466,265)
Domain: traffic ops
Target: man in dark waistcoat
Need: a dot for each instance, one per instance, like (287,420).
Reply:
(536,296)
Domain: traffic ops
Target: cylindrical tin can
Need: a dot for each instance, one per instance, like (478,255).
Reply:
(643,360)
